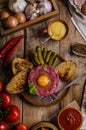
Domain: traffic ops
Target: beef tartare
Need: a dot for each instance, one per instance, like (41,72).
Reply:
(43,80)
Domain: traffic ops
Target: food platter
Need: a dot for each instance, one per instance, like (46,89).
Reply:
(36,100)
(47,73)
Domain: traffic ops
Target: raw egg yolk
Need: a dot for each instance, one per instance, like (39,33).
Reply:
(43,81)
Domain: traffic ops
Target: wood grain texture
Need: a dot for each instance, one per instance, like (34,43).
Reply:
(31,114)
(73,36)
(3,3)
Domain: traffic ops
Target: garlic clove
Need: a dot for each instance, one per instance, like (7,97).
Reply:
(31,11)
(34,15)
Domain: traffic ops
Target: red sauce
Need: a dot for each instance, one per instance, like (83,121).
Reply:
(70,119)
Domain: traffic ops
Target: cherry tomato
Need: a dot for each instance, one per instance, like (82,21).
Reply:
(13,113)
(1,86)
(5,99)
(3,125)
(21,126)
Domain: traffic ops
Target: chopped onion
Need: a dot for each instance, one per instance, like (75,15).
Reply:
(44,7)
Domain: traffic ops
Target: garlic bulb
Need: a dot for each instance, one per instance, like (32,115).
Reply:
(17,5)
(44,7)
(31,11)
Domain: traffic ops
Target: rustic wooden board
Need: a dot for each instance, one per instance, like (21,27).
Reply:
(35,100)
(3,3)
(54,12)
(31,114)
(73,36)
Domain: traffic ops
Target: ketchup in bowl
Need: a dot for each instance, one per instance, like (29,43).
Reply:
(70,118)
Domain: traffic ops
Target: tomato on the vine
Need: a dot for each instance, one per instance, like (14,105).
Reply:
(3,125)
(12,113)
(21,126)
(5,99)
(1,86)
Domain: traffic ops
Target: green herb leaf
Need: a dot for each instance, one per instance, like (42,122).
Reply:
(44,68)
(32,88)
(31,84)
(33,91)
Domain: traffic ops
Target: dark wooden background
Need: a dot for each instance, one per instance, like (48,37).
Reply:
(31,114)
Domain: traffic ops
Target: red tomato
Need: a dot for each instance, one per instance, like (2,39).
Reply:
(21,126)
(13,113)
(5,99)
(1,86)
(3,125)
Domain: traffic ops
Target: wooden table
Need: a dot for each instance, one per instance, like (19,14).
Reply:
(31,114)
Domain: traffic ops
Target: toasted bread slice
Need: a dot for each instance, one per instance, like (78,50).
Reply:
(19,64)
(17,83)
(67,70)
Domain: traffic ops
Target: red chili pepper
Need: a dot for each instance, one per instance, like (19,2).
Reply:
(10,44)
(10,53)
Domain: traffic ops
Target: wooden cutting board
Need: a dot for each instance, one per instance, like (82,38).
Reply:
(74,104)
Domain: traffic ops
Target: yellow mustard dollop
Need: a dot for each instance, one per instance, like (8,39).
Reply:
(58,30)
